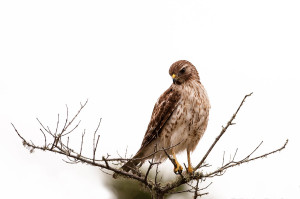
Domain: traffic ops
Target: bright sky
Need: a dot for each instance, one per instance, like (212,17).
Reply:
(117,55)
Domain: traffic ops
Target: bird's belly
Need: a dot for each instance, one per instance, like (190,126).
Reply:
(189,128)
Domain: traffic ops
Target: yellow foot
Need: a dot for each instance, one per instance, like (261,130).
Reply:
(190,170)
(178,169)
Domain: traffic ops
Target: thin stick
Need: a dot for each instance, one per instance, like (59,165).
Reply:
(81,142)
(45,139)
(95,144)
(57,123)
(47,130)
(196,189)
(233,164)
(229,123)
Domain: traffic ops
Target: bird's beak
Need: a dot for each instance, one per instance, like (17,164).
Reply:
(174,78)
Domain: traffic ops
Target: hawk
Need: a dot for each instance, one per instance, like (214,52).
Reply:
(179,119)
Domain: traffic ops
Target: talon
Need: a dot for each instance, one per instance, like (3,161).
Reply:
(190,170)
(178,169)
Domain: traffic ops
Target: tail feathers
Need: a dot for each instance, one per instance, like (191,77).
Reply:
(130,166)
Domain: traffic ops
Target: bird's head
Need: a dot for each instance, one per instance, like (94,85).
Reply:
(183,71)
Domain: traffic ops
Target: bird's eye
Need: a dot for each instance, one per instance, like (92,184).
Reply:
(182,71)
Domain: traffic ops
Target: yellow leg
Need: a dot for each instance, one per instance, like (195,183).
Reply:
(190,167)
(178,168)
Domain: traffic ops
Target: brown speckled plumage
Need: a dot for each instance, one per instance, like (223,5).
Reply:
(179,116)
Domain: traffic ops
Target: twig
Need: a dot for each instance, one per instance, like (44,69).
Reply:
(196,189)
(47,130)
(95,149)
(57,123)
(148,170)
(95,144)
(206,186)
(23,140)
(171,159)
(71,129)
(67,117)
(223,158)
(45,139)
(67,125)
(235,153)
(229,123)
(257,148)
(244,160)
(81,142)
(156,174)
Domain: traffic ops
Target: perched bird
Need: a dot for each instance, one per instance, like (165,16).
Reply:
(179,119)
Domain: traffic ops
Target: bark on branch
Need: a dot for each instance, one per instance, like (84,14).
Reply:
(57,143)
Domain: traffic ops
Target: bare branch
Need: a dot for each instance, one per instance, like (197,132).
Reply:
(81,142)
(244,160)
(45,139)
(95,144)
(57,123)
(229,123)
(196,189)
(67,117)
(71,129)
(24,141)
(67,125)
(106,164)
(223,158)
(94,153)
(47,130)
(235,154)
(256,149)
(169,157)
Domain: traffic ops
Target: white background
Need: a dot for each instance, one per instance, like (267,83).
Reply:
(117,55)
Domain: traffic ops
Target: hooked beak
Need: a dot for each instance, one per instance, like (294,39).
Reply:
(174,79)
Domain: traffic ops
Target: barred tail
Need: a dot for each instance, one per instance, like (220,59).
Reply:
(130,165)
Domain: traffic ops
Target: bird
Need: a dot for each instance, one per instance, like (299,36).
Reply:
(178,121)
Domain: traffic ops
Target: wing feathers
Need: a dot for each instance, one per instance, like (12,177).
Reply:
(162,111)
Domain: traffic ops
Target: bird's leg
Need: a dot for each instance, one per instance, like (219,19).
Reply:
(190,167)
(178,168)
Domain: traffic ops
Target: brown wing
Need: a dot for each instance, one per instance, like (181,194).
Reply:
(162,111)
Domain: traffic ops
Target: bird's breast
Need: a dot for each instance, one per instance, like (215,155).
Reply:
(190,117)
